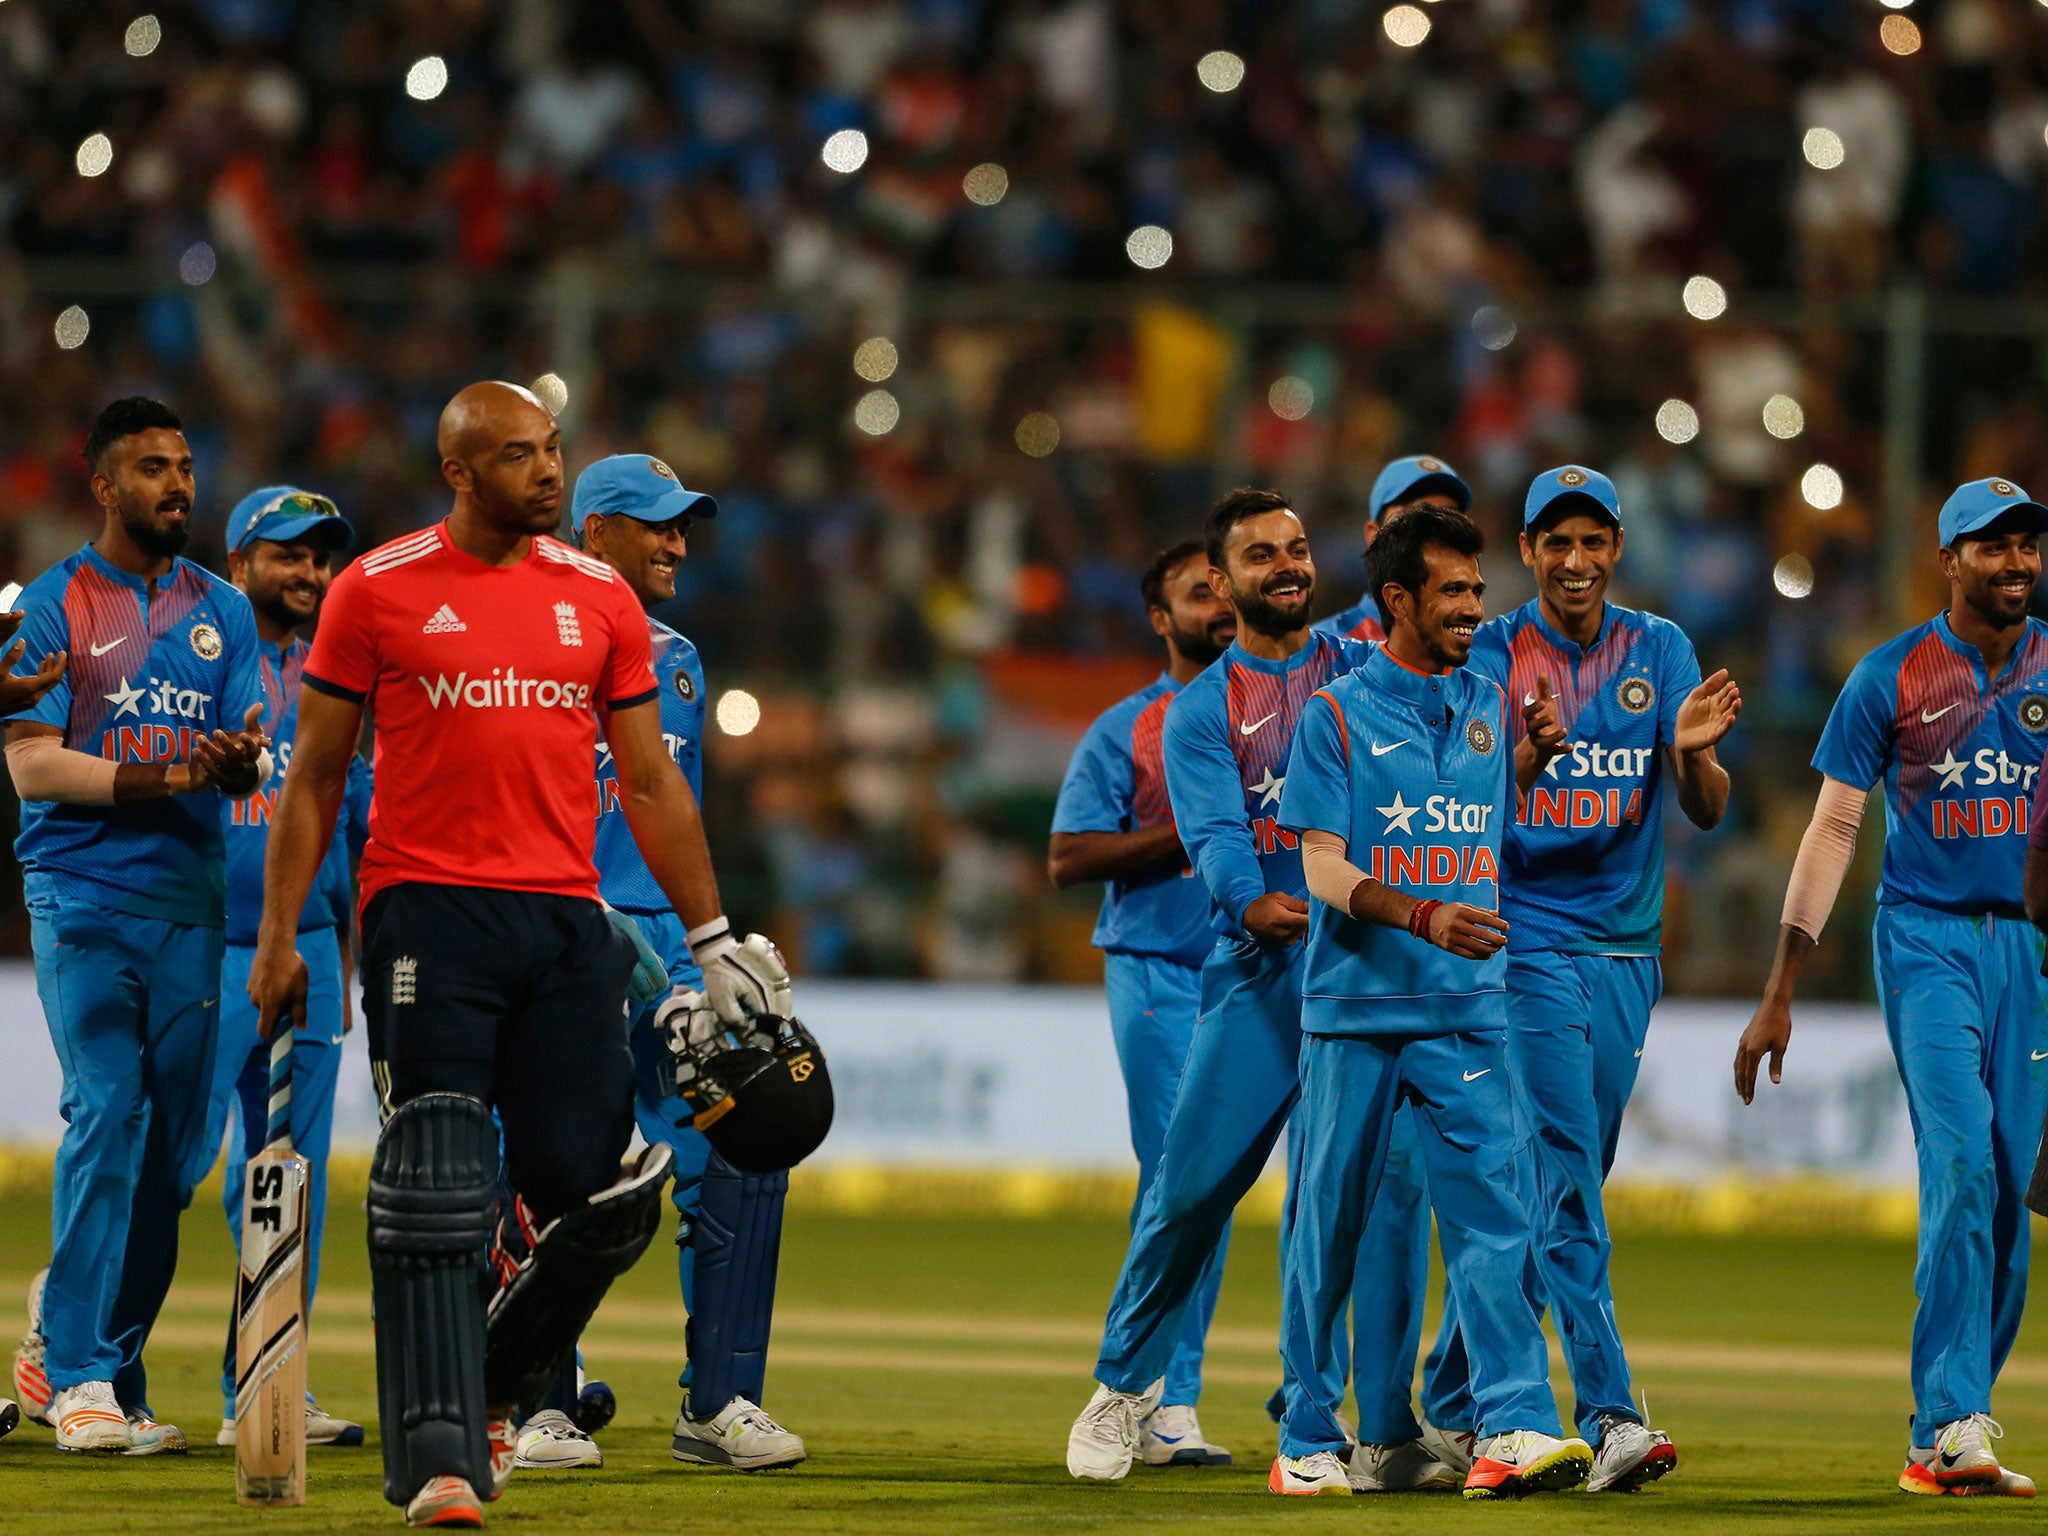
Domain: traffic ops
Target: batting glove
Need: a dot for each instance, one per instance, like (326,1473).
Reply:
(650,972)
(743,980)
(685,1018)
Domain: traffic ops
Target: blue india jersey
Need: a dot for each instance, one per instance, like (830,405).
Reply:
(1415,772)
(245,824)
(1958,755)
(623,876)
(1228,734)
(1584,871)
(148,675)
(1117,783)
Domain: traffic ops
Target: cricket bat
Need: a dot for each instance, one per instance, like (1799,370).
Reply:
(270,1307)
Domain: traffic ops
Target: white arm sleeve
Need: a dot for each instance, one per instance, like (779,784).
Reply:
(1824,855)
(43,768)
(1331,877)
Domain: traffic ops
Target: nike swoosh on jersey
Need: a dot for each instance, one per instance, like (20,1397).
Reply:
(1246,730)
(1929,719)
(2041,1055)
(101,650)
(1380,751)
(1470,1076)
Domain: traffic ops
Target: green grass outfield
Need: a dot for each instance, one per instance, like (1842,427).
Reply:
(933,1364)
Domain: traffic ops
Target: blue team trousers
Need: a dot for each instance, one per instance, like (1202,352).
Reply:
(1351,1088)
(1152,1007)
(1576,1027)
(132,1005)
(1237,1089)
(1967,1012)
(241,1083)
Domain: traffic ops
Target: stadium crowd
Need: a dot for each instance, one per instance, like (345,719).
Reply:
(312,221)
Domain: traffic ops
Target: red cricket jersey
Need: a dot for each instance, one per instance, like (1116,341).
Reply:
(485,682)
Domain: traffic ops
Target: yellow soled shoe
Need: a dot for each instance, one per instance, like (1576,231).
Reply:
(1525,1461)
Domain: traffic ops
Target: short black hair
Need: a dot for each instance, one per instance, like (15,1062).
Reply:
(1152,585)
(125,418)
(1233,509)
(1396,556)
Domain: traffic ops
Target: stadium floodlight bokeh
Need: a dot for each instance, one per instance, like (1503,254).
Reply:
(144,33)
(1677,421)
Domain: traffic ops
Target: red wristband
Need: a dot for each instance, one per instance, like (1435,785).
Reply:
(1418,920)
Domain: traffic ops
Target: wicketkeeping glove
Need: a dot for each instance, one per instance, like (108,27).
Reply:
(742,979)
(650,974)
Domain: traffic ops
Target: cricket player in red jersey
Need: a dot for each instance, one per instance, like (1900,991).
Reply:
(492,975)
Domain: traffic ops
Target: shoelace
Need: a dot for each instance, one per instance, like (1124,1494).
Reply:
(1113,1406)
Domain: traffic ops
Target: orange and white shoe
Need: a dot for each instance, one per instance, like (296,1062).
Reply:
(88,1419)
(1961,1457)
(146,1437)
(1304,1476)
(31,1385)
(448,1502)
(504,1456)
(1525,1461)
(2010,1485)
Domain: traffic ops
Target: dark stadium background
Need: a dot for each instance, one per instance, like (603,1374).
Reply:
(1477,246)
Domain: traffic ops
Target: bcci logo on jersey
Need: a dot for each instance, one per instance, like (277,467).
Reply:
(504,689)
(1983,815)
(205,642)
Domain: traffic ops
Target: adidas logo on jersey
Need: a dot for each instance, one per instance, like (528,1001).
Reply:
(443,622)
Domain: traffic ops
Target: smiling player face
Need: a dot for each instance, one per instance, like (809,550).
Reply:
(145,479)
(646,554)
(1268,576)
(1573,561)
(1448,609)
(1995,575)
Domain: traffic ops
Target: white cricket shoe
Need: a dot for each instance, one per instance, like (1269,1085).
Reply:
(31,1385)
(146,1437)
(322,1428)
(1961,1457)
(88,1419)
(1410,1467)
(10,1416)
(1455,1448)
(740,1435)
(1306,1476)
(448,1502)
(1172,1437)
(1631,1455)
(548,1442)
(1105,1438)
(1525,1461)
(2010,1485)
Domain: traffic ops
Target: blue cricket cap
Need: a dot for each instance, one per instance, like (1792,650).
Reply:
(1571,482)
(284,513)
(1974,507)
(1405,478)
(638,485)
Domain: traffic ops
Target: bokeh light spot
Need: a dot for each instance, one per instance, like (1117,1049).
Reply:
(73,326)
(1038,434)
(427,78)
(876,413)
(197,265)
(1793,576)
(875,359)
(1221,71)
(1149,247)
(1823,148)
(1493,327)
(95,155)
(846,151)
(1406,26)
(1784,417)
(1291,398)
(1677,422)
(1900,35)
(1821,485)
(1704,298)
(552,391)
(738,712)
(142,36)
(986,185)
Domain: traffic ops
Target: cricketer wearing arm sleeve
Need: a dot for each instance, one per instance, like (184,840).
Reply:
(1958,756)
(1227,738)
(1412,772)
(1117,783)
(1584,855)
(150,674)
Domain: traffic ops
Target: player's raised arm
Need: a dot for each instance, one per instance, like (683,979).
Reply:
(1704,717)
(300,829)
